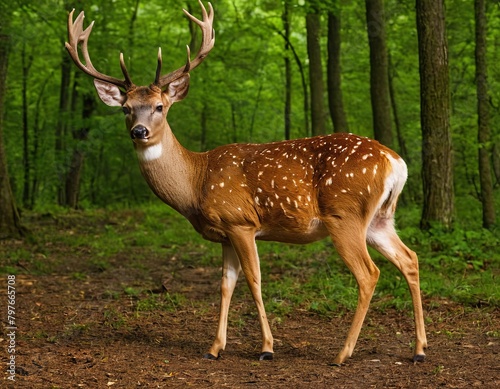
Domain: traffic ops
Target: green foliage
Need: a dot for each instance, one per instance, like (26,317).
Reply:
(463,265)
(239,89)
(114,319)
(20,258)
(75,330)
(154,302)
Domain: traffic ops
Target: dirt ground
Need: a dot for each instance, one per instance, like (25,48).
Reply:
(74,332)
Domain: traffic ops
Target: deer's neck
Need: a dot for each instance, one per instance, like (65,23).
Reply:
(173,173)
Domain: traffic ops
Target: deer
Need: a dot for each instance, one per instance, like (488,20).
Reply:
(341,186)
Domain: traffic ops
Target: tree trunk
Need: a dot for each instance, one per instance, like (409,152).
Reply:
(26,150)
(484,137)
(73,177)
(131,27)
(37,130)
(288,70)
(496,162)
(335,99)
(10,223)
(411,191)
(255,111)
(437,165)
(379,72)
(303,81)
(64,103)
(313,23)
(395,113)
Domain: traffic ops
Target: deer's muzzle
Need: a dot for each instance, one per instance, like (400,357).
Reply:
(139,132)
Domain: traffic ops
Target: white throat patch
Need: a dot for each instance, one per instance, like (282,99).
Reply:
(150,153)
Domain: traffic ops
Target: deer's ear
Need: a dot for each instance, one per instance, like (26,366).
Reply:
(110,94)
(178,89)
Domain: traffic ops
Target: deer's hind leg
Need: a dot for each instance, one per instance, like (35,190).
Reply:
(350,241)
(382,236)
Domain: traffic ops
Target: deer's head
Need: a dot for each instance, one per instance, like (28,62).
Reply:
(145,107)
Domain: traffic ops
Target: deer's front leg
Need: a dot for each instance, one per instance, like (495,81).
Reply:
(230,271)
(243,241)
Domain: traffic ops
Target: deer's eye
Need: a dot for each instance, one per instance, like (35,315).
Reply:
(159,108)
(125,110)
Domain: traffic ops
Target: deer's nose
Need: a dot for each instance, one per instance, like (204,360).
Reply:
(139,132)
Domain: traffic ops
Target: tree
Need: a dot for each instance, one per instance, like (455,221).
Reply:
(484,137)
(313,25)
(395,114)
(285,17)
(437,165)
(305,92)
(335,100)
(79,134)
(379,71)
(10,223)
(62,124)
(26,151)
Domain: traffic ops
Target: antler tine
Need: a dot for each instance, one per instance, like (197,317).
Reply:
(158,68)
(187,68)
(208,41)
(77,35)
(128,81)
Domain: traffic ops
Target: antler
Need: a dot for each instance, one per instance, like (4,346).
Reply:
(207,43)
(77,35)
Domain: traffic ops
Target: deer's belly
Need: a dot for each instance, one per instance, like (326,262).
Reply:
(293,233)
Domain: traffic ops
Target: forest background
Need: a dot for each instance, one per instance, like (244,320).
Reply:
(279,70)
(80,229)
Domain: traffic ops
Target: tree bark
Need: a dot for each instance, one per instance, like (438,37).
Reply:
(80,135)
(379,72)
(411,191)
(303,81)
(37,130)
(10,223)
(26,149)
(395,114)
(437,158)
(496,162)
(335,100)
(484,137)
(61,126)
(285,17)
(313,23)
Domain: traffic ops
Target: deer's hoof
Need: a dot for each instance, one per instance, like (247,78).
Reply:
(266,356)
(211,357)
(418,358)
